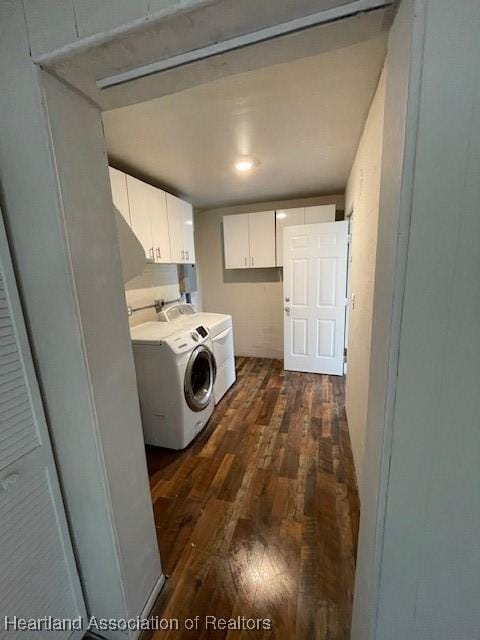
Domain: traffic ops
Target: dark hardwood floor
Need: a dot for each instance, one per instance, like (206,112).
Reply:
(259,516)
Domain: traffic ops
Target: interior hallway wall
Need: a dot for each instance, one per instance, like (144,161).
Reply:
(59,217)
(430,562)
(362,199)
(403,65)
(418,562)
(253,297)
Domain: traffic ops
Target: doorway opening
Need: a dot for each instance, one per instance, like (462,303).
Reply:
(262,507)
(279,436)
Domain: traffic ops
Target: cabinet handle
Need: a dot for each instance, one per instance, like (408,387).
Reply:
(245,260)
(152,256)
(183,254)
(253,261)
(159,255)
(186,258)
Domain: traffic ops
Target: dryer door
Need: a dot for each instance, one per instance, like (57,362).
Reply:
(199,378)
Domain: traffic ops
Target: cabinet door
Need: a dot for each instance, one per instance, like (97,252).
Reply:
(188,232)
(175,226)
(138,197)
(159,225)
(236,241)
(320,213)
(262,238)
(286,218)
(118,183)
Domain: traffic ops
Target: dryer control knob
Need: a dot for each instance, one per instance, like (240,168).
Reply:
(194,336)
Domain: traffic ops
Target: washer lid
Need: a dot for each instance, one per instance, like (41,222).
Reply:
(152,332)
(214,322)
(175,336)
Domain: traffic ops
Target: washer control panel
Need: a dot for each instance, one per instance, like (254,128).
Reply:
(202,331)
(179,343)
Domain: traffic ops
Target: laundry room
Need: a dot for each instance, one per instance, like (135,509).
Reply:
(238,318)
(234,203)
(224,256)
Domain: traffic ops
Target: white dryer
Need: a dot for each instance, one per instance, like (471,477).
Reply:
(220,329)
(175,375)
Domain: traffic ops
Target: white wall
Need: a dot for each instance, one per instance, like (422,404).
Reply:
(418,563)
(254,297)
(399,137)
(430,574)
(92,245)
(59,217)
(362,200)
(157,282)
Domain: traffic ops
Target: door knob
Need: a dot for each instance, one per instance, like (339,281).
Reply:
(287,309)
(287,299)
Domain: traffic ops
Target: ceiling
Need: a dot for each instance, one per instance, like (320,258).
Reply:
(300,119)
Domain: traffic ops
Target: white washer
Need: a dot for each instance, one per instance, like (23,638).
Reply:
(175,377)
(220,328)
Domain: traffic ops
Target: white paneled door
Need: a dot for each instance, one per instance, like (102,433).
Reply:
(315,283)
(38,575)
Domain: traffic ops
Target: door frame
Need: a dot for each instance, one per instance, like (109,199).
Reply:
(348,291)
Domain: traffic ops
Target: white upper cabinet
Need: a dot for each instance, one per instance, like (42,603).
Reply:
(236,241)
(261,228)
(139,199)
(118,183)
(249,240)
(162,223)
(159,225)
(286,218)
(175,224)
(180,222)
(188,239)
(320,213)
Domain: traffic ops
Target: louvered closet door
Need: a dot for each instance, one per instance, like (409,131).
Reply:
(38,575)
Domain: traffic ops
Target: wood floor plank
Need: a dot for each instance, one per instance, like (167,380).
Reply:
(258,517)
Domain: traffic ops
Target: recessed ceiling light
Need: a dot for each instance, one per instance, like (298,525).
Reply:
(243,165)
